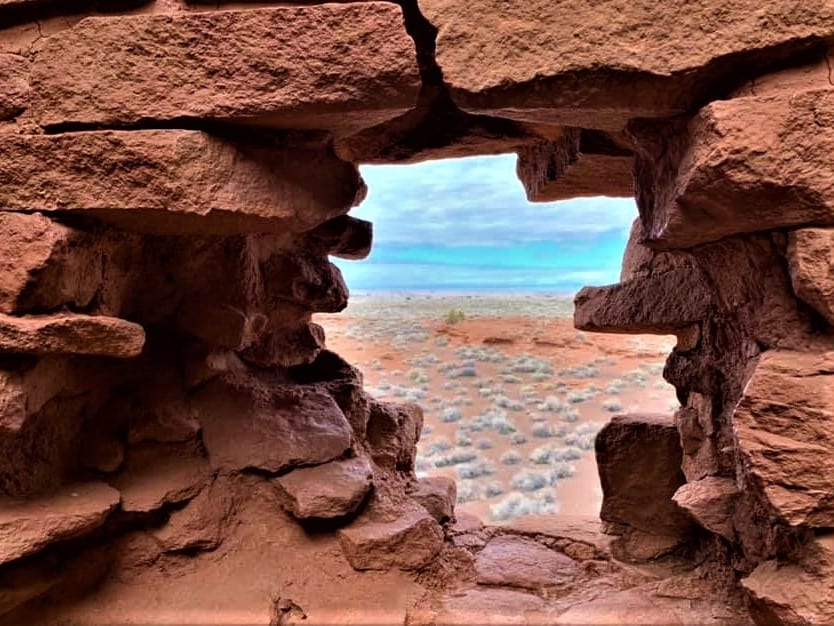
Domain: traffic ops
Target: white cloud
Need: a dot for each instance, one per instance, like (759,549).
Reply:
(477,201)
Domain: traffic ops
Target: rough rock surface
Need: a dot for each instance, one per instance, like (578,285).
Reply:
(638,455)
(334,489)
(811,264)
(783,428)
(602,63)
(711,501)
(409,541)
(185,168)
(70,334)
(273,432)
(579,164)
(174,181)
(29,525)
(519,562)
(437,494)
(227,65)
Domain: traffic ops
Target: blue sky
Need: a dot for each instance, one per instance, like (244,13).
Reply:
(465,225)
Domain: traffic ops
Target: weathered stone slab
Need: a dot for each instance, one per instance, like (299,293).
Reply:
(639,462)
(71,333)
(740,165)
(662,303)
(795,593)
(711,501)
(258,424)
(339,67)
(334,489)
(393,432)
(484,606)
(24,392)
(200,524)
(408,542)
(520,562)
(43,264)
(596,64)
(26,526)
(14,85)
(437,494)
(175,181)
(811,265)
(345,237)
(580,164)
(783,426)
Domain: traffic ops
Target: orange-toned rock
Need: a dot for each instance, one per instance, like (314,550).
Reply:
(70,333)
(783,430)
(334,489)
(408,542)
(335,67)
(26,526)
(256,423)
(597,64)
(639,462)
(740,165)
(43,264)
(711,501)
(393,432)
(811,265)
(662,303)
(437,494)
(521,562)
(199,525)
(14,85)
(581,164)
(176,181)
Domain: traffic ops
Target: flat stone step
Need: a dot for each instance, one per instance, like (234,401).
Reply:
(27,526)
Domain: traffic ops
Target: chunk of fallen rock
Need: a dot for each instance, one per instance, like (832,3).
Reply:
(71,333)
(521,562)
(26,526)
(408,542)
(334,489)
(437,494)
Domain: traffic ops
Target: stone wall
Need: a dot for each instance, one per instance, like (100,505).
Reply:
(174,175)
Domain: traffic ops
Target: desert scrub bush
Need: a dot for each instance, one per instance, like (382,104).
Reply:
(494,489)
(441,342)
(450,415)
(422,466)
(464,371)
(454,316)
(468,492)
(560,471)
(581,371)
(418,376)
(484,444)
(612,405)
(530,481)
(542,430)
(462,439)
(516,505)
(584,435)
(553,404)
(503,402)
(458,457)
(518,439)
(510,379)
(578,396)
(570,416)
(540,456)
(426,430)
(437,446)
(451,385)
(511,457)
(469,471)
(636,377)
(615,386)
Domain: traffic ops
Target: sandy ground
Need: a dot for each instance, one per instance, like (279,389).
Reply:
(513,395)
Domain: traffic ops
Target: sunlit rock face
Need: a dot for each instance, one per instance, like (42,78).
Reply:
(175,435)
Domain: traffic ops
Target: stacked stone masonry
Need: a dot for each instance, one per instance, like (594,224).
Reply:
(175,435)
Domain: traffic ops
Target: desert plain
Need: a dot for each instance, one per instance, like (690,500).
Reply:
(513,395)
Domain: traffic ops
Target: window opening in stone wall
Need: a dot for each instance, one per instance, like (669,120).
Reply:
(465,306)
